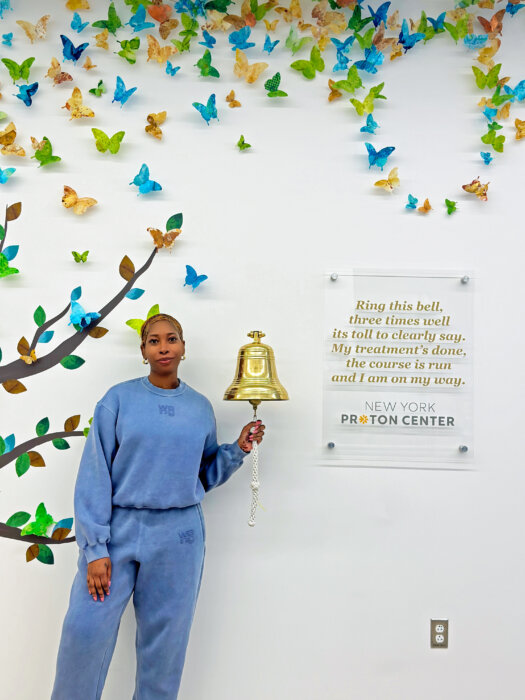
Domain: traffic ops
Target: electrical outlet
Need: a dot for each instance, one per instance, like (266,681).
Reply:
(439,634)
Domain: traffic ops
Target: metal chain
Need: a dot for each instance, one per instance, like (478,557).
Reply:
(254,483)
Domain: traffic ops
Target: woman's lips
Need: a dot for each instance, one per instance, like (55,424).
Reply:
(166,361)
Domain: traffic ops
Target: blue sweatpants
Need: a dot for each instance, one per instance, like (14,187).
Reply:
(158,555)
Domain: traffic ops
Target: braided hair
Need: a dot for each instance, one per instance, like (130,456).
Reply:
(159,317)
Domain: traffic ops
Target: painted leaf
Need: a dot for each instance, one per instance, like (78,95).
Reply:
(135,293)
(72,361)
(97,332)
(18,519)
(39,316)
(13,386)
(126,268)
(22,464)
(42,426)
(13,212)
(174,222)
(71,423)
(45,554)
(60,444)
(36,459)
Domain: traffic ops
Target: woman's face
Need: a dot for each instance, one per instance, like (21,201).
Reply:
(163,343)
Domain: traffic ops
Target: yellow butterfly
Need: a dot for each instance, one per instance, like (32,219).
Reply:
(88,64)
(58,75)
(216,21)
(7,138)
(334,21)
(243,69)
(29,359)
(35,31)
(154,121)
(334,92)
(102,39)
(230,99)
(391,181)
(321,34)
(393,22)
(37,145)
(289,13)
(475,187)
(425,208)
(270,26)
(396,51)
(157,52)
(164,239)
(166,27)
(79,204)
(76,107)
(520,128)
(485,55)
(77,5)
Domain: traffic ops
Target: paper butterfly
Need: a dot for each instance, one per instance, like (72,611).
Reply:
(380,14)
(494,26)
(450,205)
(475,41)
(193,278)
(438,24)
(239,39)
(289,13)
(166,27)
(368,103)
(513,7)
(343,46)
(6,174)
(7,39)
(412,201)
(35,31)
(334,92)
(308,68)
(272,86)
(342,62)
(16,71)
(143,182)
(490,137)
(97,91)
(425,208)
(407,40)
(230,99)
(77,24)
(121,94)
(112,23)
(373,58)
(102,40)
(489,79)
(356,23)
(242,145)
(157,52)
(207,111)
(520,128)
(54,71)
(269,45)
(104,143)
(204,64)
(171,69)
(7,138)
(79,204)
(378,158)
(486,157)
(76,106)
(294,43)
(270,26)
(391,182)
(44,154)
(128,48)
(154,122)
(29,359)
(165,240)
(26,92)
(138,20)
(88,64)
(243,69)
(370,126)
(209,40)
(80,257)
(475,187)
(79,317)
(159,11)
(366,41)
(70,51)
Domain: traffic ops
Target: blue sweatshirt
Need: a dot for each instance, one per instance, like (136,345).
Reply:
(147,448)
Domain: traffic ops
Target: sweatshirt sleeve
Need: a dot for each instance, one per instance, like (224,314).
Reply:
(93,488)
(219,462)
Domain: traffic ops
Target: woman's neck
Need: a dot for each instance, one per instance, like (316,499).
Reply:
(170,382)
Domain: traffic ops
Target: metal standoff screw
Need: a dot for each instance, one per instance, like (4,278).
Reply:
(331,445)
(465,279)
(463,448)
(334,276)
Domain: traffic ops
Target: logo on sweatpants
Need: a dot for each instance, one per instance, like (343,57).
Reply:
(166,409)
(186,536)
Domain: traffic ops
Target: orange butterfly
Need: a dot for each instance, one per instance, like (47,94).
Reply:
(154,121)
(425,208)
(391,182)
(475,187)
(166,27)
(495,25)
(270,26)
(7,142)
(157,52)
(54,72)
(290,13)
(76,106)
(164,239)
(334,92)
(520,128)
(79,204)
(243,69)
(29,359)
(88,64)
(230,99)
(102,39)
(35,31)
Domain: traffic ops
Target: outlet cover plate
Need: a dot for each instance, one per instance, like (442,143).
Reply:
(439,634)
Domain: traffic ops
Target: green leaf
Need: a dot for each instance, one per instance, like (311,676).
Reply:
(2,445)
(60,444)
(2,233)
(219,5)
(173,222)
(39,316)
(72,361)
(22,464)
(45,554)
(18,519)
(42,426)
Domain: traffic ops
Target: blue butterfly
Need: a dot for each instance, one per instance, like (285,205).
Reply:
(407,40)
(77,24)
(438,23)
(207,111)
(343,46)
(412,201)
(70,51)
(513,9)
(342,62)
(486,157)
(25,92)
(4,5)
(79,317)
(171,69)
(490,113)
(192,8)
(209,40)
(6,174)
(7,38)
(239,39)
(518,91)
(143,182)
(373,58)
(121,94)
(370,126)
(475,41)
(380,14)
(193,278)
(269,45)
(137,20)
(378,158)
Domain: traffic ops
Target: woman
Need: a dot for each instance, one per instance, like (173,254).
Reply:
(150,455)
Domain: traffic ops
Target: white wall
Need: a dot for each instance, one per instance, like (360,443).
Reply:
(330,595)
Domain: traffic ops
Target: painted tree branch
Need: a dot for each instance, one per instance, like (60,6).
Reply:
(8,457)
(13,533)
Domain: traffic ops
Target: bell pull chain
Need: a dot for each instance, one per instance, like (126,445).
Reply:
(254,485)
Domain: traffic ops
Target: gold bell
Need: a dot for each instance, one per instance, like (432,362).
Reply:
(255,376)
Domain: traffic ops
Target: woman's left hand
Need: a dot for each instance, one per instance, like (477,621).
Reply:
(246,437)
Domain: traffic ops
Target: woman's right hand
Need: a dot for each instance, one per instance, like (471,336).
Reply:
(99,577)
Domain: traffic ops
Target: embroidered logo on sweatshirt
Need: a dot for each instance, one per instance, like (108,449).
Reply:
(186,536)
(166,409)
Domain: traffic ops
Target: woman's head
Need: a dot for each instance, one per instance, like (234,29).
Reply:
(162,338)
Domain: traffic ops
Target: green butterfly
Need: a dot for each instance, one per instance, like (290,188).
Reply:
(99,89)
(16,71)
(112,23)
(136,323)
(498,99)
(3,115)
(204,64)
(365,41)
(129,46)
(260,10)
(45,154)
(294,43)
(134,4)
(355,22)
(241,143)
(308,68)
(80,257)
(5,270)
(104,143)
(489,79)
(368,103)
(450,205)
(490,137)
(425,28)
(190,25)
(183,45)
(272,87)
(351,83)
(459,30)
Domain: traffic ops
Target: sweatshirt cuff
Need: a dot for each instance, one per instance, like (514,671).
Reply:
(97,551)
(238,451)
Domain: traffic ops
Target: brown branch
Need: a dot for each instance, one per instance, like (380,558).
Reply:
(18,368)
(5,231)
(18,450)
(13,533)
(47,325)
